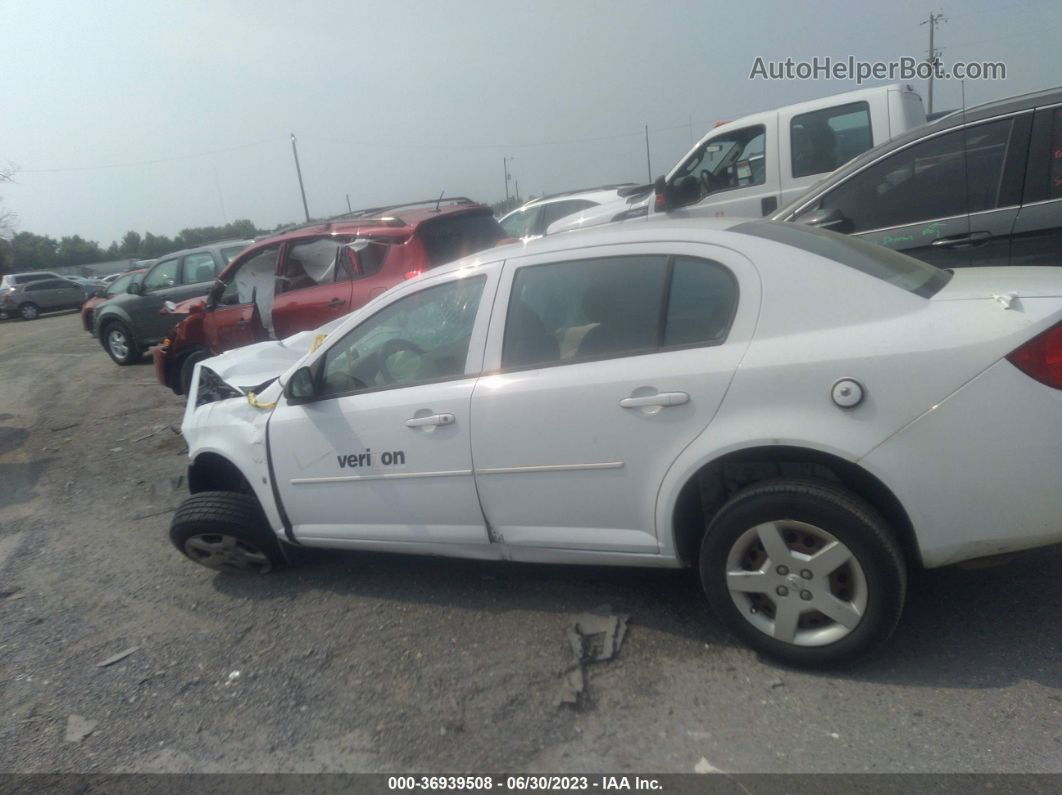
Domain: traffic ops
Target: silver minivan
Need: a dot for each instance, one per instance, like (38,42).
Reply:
(42,295)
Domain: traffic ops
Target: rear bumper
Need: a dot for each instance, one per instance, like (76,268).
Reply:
(978,474)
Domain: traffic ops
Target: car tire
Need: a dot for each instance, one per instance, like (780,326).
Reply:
(29,311)
(226,531)
(187,370)
(780,551)
(120,343)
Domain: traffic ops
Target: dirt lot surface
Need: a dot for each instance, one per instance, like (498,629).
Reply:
(358,662)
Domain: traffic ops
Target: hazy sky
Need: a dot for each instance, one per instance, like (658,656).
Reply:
(399,101)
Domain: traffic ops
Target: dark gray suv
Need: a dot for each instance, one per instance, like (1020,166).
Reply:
(977,187)
(127,325)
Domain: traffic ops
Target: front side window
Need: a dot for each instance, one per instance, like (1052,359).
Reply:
(421,337)
(824,140)
(1054,189)
(198,268)
(162,276)
(254,277)
(582,310)
(119,285)
(731,160)
(948,175)
(522,223)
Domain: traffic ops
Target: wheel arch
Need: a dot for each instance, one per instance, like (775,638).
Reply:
(714,482)
(211,471)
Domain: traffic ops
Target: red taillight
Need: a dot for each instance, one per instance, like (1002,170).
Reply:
(1041,357)
(412,274)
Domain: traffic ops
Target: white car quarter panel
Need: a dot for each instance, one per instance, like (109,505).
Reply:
(559,462)
(979,474)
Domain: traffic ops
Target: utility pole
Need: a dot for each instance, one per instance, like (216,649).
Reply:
(934,54)
(648,164)
(298,171)
(348,204)
(505,167)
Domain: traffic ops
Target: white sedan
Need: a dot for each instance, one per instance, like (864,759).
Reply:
(803,416)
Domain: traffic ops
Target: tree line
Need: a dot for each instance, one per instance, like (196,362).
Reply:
(26,251)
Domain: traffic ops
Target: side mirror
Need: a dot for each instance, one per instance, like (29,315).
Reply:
(301,387)
(135,288)
(832,219)
(660,189)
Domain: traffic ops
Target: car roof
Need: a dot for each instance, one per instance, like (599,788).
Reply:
(396,220)
(662,228)
(956,119)
(600,194)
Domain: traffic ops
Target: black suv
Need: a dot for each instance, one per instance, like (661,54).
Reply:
(127,325)
(977,187)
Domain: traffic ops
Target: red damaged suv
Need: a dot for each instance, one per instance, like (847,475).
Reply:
(305,277)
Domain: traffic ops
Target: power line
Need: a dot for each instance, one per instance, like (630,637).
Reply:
(149,162)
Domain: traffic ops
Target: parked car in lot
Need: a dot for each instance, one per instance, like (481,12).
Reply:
(801,415)
(117,286)
(980,187)
(305,277)
(9,280)
(751,166)
(30,298)
(547,214)
(128,324)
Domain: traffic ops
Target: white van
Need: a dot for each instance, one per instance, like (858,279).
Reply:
(752,166)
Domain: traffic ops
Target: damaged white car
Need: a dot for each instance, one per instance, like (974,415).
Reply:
(802,416)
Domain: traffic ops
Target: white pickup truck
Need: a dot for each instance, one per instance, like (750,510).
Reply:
(750,167)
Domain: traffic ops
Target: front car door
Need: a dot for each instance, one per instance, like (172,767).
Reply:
(314,285)
(602,369)
(383,455)
(234,317)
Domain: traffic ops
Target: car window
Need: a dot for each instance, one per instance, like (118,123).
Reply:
(255,275)
(701,303)
(929,180)
(50,284)
(522,222)
(454,236)
(557,210)
(824,140)
(230,253)
(890,266)
(584,309)
(162,276)
(421,337)
(32,277)
(309,263)
(1054,189)
(731,160)
(119,285)
(198,267)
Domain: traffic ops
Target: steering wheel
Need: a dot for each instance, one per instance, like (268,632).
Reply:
(389,349)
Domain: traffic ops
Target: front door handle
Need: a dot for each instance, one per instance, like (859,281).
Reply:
(433,419)
(659,399)
(963,241)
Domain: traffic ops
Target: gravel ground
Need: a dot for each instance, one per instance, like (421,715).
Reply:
(359,662)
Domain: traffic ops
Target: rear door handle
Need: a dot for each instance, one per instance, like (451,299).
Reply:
(336,302)
(433,419)
(963,241)
(659,399)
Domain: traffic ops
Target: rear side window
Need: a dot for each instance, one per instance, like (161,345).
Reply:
(455,236)
(50,284)
(882,263)
(197,268)
(824,140)
(618,306)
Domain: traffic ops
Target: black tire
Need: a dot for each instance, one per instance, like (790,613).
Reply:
(876,571)
(226,531)
(29,311)
(188,364)
(118,340)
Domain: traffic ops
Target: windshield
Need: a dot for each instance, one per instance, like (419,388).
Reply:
(890,266)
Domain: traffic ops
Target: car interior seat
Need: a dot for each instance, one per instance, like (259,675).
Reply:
(526,339)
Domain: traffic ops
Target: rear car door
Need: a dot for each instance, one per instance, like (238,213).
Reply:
(383,454)
(603,368)
(314,285)
(942,199)
(1037,233)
